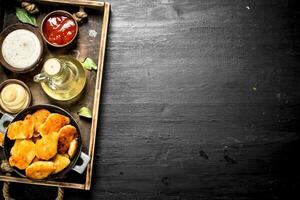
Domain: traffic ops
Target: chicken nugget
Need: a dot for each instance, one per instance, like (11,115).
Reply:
(21,129)
(40,170)
(66,135)
(53,123)
(46,147)
(2,136)
(39,118)
(22,153)
(73,148)
(31,117)
(60,163)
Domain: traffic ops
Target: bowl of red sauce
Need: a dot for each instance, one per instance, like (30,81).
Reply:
(59,28)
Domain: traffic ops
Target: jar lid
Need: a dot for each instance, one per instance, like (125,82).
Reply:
(52,66)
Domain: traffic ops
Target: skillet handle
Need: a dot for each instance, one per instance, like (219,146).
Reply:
(80,168)
(6,118)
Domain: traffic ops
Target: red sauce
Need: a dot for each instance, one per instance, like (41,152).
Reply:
(59,30)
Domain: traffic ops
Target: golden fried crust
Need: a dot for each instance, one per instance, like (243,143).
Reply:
(21,129)
(66,135)
(53,123)
(22,153)
(60,163)
(39,118)
(73,148)
(40,170)
(46,148)
(31,117)
(2,136)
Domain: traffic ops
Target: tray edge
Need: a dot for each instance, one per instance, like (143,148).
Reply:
(105,7)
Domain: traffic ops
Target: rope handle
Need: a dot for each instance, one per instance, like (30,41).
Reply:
(80,16)
(29,7)
(4,167)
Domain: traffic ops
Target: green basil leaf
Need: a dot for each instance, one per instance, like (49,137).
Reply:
(89,64)
(85,112)
(24,17)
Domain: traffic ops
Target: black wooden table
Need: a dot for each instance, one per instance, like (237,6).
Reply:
(201,100)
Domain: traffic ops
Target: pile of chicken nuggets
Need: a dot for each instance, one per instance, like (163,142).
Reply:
(44,143)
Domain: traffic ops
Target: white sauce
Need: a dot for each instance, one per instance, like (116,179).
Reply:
(21,48)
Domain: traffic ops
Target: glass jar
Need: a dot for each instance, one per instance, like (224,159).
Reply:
(62,78)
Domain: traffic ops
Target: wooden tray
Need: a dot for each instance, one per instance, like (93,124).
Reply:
(88,45)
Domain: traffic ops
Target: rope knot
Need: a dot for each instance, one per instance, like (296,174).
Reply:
(81,15)
(5,167)
(30,7)
(60,194)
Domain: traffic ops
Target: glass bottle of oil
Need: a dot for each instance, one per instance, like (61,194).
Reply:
(62,78)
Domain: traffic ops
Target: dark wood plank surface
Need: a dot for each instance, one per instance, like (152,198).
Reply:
(201,100)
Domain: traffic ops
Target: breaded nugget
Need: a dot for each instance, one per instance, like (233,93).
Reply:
(35,134)
(31,117)
(39,118)
(60,163)
(2,136)
(66,135)
(53,123)
(40,170)
(46,148)
(21,129)
(22,153)
(73,148)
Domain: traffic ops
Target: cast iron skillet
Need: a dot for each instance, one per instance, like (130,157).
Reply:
(8,144)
